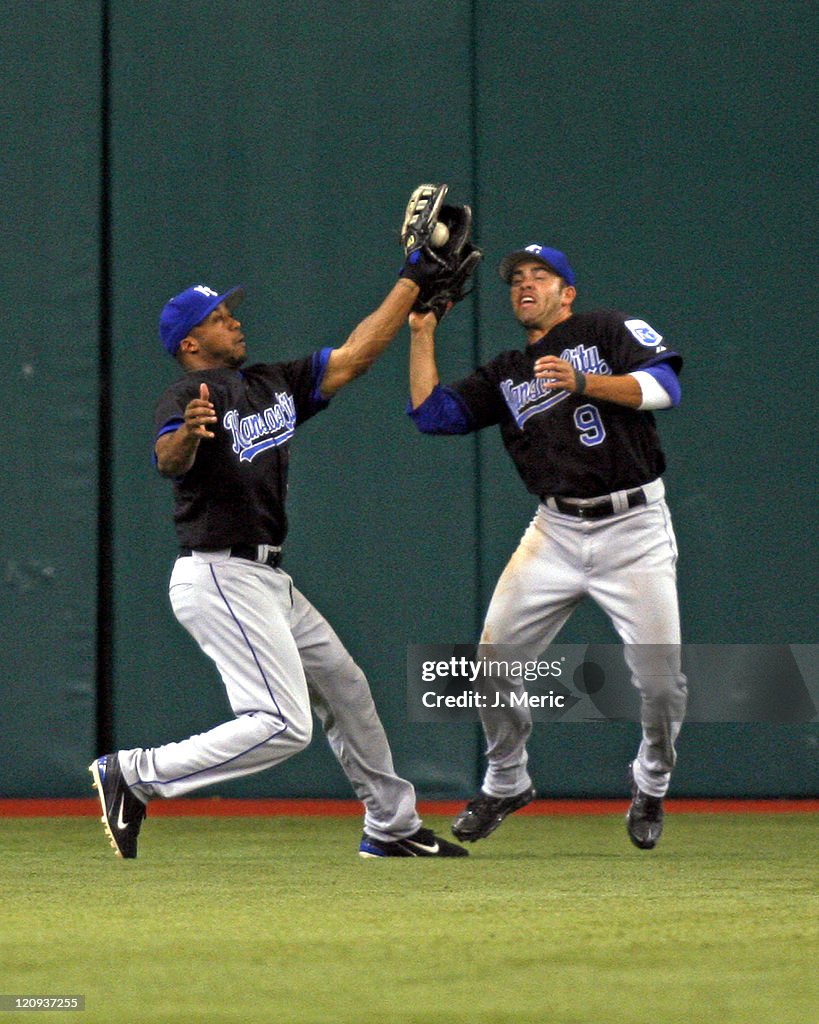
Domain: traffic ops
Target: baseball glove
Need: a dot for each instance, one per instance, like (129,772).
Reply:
(459,257)
(421,218)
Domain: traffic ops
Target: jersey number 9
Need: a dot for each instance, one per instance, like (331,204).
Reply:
(589,425)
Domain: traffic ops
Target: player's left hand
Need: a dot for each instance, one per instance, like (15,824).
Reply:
(556,374)
(200,413)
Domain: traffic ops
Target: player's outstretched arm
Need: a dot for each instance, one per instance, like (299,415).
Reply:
(370,338)
(423,371)
(422,271)
(433,409)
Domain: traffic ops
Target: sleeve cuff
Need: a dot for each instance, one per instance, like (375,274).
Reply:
(319,368)
(443,412)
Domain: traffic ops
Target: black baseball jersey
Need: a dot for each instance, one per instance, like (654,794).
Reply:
(236,489)
(567,444)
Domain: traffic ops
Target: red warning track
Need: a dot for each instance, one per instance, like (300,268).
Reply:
(230,808)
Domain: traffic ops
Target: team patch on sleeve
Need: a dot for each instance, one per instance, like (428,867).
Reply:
(644,333)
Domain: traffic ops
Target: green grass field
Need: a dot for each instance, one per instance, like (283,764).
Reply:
(552,920)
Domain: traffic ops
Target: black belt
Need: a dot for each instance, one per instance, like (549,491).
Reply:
(595,508)
(273,556)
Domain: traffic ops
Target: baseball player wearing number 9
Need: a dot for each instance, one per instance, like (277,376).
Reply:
(575,410)
(223,436)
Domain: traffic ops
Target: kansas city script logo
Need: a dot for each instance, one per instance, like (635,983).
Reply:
(262,430)
(531,397)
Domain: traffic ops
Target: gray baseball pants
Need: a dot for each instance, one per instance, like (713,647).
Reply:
(279,659)
(626,563)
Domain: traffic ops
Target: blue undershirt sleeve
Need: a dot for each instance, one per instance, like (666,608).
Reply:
(319,367)
(443,412)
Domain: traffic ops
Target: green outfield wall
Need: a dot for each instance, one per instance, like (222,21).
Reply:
(667,147)
(49,358)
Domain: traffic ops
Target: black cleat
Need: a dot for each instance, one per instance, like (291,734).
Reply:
(424,843)
(122,812)
(482,815)
(644,820)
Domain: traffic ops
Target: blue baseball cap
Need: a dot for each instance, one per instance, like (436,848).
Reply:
(554,259)
(189,308)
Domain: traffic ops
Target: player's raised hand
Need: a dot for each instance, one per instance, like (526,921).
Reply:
(199,412)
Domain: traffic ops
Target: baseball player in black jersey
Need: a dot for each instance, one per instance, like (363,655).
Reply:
(574,407)
(223,434)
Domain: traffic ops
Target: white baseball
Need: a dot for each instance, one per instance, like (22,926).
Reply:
(440,235)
